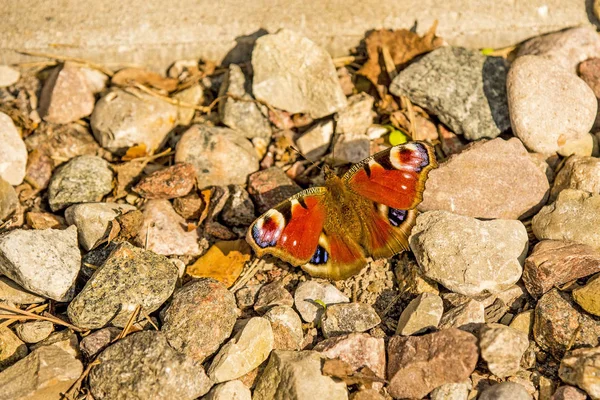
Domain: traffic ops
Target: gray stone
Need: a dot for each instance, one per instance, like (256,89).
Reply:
(465,89)
(452,391)
(144,366)
(163,231)
(422,313)
(273,294)
(582,368)
(84,179)
(566,48)
(45,262)
(12,349)
(245,116)
(469,256)
(8,200)
(350,148)
(502,348)
(296,375)
(232,390)
(505,391)
(96,80)
(574,216)
(343,318)
(123,119)
(15,294)
(199,318)
(549,106)
(580,173)
(244,352)
(65,340)
(357,116)
(13,153)
(34,331)
(44,374)
(213,152)
(129,277)
(66,96)
(97,341)
(239,209)
(8,76)
(93,219)
(294,74)
(287,328)
(481,181)
(568,393)
(315,142)
(467,316)
(308,292)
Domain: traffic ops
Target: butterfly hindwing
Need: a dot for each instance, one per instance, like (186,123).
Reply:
(291,229)
(387,230)
(394,177)
(336,257)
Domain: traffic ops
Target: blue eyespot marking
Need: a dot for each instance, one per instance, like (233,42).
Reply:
(396,217)
(320,257)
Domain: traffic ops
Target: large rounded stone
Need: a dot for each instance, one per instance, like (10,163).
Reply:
(13,153)
(469,256)
(580,173)
(582,368)
(493,179)
(549,107)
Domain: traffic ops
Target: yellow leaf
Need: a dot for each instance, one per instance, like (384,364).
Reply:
(397,137)
(137,151)
(224,261)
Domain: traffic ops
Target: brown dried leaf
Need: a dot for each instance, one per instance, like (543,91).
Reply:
(402,46)
(131,223)
(342,370)
(137,151)
(224,261)
(128,76)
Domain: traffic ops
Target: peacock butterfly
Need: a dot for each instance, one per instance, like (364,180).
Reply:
(369,211)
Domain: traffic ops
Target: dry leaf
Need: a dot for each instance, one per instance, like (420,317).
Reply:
(224,261)
(131,223)
(137,151)
(206,196)
(127,76)
(399,47)
(342,370)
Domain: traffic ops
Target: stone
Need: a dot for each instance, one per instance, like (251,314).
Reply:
(212,151)
(199,318)
(168,183)
(190,206)
(42,220)
(84,179)
(422,313)
(568,393)
(357,117)
(10,292)
(270,187)
(232,390)
(549,106)
(45,262)
(273,294)
(523,322)
(163,231)
(66,96)
(588,296)
(580,173)
(560,326)
(287,328)
(34,331)
(296,375)
(13,153)
(8,76)
(410,279)
(239,208)
(366,394)
(467,316)
(65,340)
(581,367)
(246,296)
(44,374)
(505,391)
(463,88)
(315,142)
(452,391)
(294,74)
(123,119)
(244,352)
(566,48)
(93,220)
(193,95)
(469,256)
(349,148)
(585,146)
(552,263)
(242,113)
(308,292)
(480,182)
(502,348)
(358,350)
(97,341)
(419,364)
(12,349)
(343,318)
(144,366)
(8,200)
(574,216)
(96,80)
(129,277)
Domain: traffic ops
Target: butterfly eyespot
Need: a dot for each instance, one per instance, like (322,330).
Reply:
(320,257)
(396,217)
(267,230)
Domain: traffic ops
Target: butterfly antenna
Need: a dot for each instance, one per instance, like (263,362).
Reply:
(303,156)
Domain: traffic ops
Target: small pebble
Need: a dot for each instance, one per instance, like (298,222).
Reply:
(315,142)
(8,200)
(273,294)
(588,296)
(8,76)
(308,292)
(505,391)
(344,318)
(168,183)
(34,331)
(422,313)
(270,187)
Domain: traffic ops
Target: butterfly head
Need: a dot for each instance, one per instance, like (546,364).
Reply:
(328,172)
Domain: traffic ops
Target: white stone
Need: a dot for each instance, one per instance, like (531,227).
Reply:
(308,292)
(8,76)
(13,153)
